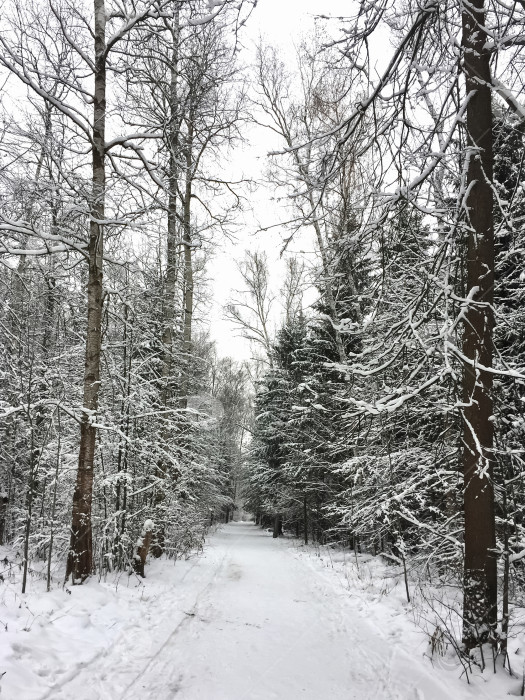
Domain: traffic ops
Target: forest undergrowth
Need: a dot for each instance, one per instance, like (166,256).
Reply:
(430,616)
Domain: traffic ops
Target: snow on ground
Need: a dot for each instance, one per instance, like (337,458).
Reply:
(252,618)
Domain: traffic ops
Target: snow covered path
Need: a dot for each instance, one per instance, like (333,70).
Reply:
(248,620)
(258,624)
(265,627)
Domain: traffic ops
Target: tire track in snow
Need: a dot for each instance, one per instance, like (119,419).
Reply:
(149,667)
(99,670)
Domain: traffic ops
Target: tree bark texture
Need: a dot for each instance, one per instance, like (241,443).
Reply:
(80,559)
(480,574)
(4,502)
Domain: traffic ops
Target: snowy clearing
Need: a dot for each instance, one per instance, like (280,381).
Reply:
(252,618)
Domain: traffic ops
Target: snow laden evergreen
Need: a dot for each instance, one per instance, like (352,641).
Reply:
(418,181)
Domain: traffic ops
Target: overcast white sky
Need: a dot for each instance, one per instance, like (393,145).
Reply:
(281,23)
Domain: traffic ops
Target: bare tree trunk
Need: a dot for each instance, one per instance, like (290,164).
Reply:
(122,456)
(172,262)
(277,526)
(506,575)
(170,281)
(54,503)
(33,457)
(305,519)
(188,268)
(143,546)
(4,501)
(480,574)
(80,559)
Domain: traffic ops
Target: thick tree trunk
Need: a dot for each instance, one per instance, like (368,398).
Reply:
(480,574)
(80,559)
(277,526)
(4,502)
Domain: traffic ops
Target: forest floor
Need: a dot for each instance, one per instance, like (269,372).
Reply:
(252,618)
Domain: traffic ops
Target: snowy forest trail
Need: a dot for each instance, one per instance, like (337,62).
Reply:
(250,619)
(264,627)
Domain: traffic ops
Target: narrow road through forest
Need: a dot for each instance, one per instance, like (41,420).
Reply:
(265,626)
(249,620)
